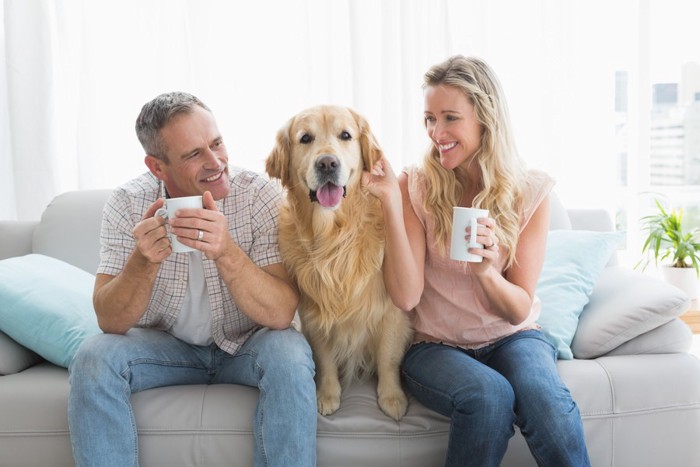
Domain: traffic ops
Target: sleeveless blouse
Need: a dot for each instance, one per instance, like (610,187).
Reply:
(453,309)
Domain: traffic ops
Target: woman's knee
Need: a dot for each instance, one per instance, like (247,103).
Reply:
(490,396)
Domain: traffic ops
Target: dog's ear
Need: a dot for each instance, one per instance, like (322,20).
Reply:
(371,152)
(277,163)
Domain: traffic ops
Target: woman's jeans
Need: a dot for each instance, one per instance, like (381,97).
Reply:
(488,390)
(108,368)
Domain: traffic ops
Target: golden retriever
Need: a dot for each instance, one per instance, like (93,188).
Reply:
(331,236)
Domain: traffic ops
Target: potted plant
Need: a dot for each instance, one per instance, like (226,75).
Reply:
(667,241)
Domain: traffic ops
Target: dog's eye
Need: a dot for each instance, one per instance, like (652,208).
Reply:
(345,136)
(305,138)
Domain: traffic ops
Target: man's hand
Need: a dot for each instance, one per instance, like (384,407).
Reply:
(151,235)
(203,229)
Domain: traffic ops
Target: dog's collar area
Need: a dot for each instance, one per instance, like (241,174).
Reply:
(314,197)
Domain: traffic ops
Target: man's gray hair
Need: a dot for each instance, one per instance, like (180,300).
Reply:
(156,113)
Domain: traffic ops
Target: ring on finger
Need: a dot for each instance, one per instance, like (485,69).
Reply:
(200,235)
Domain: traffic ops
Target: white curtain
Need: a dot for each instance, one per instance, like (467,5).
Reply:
(75,74)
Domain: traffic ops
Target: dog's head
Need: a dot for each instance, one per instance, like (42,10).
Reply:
(322,152)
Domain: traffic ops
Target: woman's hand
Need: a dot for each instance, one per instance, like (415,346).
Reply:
(485,235)
(381,182)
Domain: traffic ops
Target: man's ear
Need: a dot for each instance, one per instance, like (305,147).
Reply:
(155,165)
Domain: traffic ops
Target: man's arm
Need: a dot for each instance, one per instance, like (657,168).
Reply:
(121,300)
(265,294)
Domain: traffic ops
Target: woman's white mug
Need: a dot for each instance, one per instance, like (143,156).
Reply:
(461,219)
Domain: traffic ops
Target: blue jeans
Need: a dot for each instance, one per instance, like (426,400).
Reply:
(486,391)
(108,368)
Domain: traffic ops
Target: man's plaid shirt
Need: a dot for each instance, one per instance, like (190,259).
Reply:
(252,211)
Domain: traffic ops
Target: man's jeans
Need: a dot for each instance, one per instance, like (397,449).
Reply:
(488,390)
(108,368)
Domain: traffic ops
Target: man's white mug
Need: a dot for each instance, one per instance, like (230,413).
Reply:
(461,219)
(171,206)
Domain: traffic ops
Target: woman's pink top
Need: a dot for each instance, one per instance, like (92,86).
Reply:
(454,309)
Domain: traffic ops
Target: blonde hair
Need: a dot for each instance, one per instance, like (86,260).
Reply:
(503,173)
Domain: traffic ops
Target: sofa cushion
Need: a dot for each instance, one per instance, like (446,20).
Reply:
(573,261)
(625,304)
(14,357)
(46,305)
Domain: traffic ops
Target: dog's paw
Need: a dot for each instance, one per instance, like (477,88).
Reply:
(327,403)
(394,404)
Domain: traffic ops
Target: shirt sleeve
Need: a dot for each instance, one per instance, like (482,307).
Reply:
(265,214)
(539,185)
(116,239)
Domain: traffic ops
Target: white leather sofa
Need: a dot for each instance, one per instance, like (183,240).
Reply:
(640,402)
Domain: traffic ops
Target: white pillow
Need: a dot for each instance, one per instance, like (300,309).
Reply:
(672,337)
(14,357)
(625,304)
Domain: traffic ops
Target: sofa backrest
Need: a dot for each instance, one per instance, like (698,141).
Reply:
(70,228)
(558,217)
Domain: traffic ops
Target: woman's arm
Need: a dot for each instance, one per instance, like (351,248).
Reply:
(404,253)
(511,296)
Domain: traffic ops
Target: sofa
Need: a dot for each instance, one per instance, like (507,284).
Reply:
(636,385)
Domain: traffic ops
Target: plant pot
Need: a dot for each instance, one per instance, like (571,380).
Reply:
(685,279)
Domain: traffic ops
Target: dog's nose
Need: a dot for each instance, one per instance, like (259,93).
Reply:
(327,164)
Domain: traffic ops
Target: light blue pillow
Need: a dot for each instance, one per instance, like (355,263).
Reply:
(46,305)
(573,261)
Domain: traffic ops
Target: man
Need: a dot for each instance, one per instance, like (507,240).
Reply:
(220,314)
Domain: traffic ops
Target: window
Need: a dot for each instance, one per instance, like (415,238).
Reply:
(657,117)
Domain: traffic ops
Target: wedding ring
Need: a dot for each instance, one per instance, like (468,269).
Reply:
(200,235)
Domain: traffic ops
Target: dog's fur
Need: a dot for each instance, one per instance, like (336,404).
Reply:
(332,243)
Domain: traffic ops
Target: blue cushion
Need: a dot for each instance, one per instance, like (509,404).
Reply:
(573,261)
(46,305)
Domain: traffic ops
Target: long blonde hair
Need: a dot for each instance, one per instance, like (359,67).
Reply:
(503,173)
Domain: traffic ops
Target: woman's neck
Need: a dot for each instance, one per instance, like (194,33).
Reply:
(470,179)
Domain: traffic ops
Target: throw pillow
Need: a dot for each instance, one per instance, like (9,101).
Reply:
(14,357)
(46,305)
(672,337)
(573,261)
(625,305)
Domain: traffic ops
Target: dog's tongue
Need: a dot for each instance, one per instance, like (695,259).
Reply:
(329,195)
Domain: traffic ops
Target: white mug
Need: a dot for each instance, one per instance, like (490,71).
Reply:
(461,219)
(171,206)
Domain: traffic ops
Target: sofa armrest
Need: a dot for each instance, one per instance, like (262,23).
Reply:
(16,238)
(624,305)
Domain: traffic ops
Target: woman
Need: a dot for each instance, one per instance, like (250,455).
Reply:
(478,356)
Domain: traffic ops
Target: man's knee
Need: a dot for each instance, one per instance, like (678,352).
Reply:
(96,355)
(286,352)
